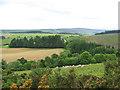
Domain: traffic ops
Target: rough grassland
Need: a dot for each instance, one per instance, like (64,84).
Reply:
(93,69)
(12,54)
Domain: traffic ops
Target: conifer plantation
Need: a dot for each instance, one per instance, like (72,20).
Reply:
(38,42)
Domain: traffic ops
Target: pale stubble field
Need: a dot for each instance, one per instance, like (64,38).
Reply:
(12,54)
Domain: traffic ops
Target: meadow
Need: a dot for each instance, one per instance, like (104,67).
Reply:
(92,69)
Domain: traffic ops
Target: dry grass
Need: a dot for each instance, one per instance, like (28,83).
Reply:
(12,54)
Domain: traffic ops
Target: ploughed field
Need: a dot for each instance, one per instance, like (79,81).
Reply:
(12,54)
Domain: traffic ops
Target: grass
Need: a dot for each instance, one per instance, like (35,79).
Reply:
(4,46)
(93,69)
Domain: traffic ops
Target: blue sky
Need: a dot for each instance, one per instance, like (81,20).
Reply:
(43,14)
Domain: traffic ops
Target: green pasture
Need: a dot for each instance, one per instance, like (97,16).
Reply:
(93,69)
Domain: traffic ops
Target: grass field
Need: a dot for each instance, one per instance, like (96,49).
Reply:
(93,69)
(12,54)
(105,39)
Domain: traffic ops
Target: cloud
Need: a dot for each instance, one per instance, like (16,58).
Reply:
(28,14)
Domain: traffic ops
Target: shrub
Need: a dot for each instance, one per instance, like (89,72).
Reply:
(36,75)
(118,53)
(27,65)
(58,79)
(71,61)
(4,64)
(54,56)
(102,50)
(99,58)
(85,58)
(112,73)
(110,57)
(65,54)
(16,65)
(22,60)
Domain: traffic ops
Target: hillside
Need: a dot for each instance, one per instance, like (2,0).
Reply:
(104,39)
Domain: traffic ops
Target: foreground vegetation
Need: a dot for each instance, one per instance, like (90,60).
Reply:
(49,78)
(81,65)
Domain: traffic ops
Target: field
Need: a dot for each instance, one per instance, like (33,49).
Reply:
(105,39)
(93,69)
(12,54)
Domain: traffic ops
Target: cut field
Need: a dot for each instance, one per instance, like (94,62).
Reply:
(12,54)
(105,39)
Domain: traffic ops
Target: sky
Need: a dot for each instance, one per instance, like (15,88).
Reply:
(51,14)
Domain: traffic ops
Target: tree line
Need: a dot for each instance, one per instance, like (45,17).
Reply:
(38,42)
(109,32)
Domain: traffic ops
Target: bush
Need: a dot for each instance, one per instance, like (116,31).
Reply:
(104,57)
(36,75)
(22,60)
(71,61)
(16,65)
(54,56)
(112,73)
(58,79)
(27,65)
(41,63)
(118,53)
(65,54)
(99,58)
(4,64)
(110,57)
(102,50)
(85,58)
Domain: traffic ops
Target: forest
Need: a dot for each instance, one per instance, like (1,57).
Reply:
(37,42)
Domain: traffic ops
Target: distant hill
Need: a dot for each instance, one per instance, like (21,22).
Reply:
(62,31)
(109,32)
